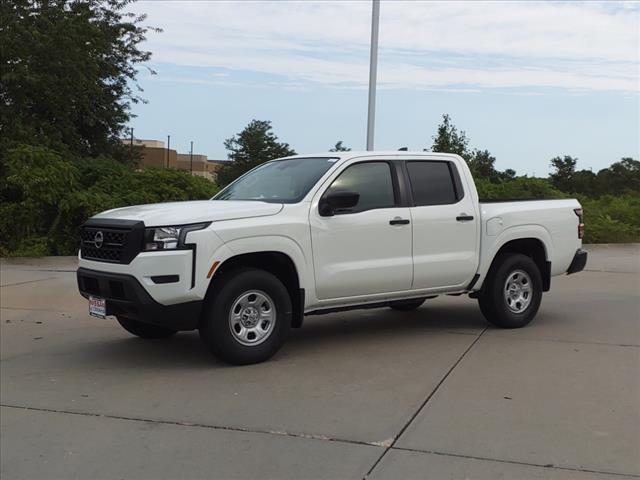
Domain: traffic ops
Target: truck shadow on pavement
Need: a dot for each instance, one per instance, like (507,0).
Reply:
(363,324)
(353,330)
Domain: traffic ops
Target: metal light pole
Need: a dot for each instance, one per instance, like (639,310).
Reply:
(373,72)
(191,158)
(168,147)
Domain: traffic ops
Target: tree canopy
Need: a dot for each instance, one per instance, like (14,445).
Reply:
(339,147)
(622,177)
(449,140)
(564,171)
(254,145)
(68,73)
(482,164)
(68,82)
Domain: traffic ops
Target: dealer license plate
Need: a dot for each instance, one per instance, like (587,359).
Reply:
(97,307)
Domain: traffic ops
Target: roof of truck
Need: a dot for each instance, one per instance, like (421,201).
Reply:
(374,153)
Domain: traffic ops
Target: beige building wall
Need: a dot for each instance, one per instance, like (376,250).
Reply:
(202,166)
(154,154)
(156,157)
(139,142)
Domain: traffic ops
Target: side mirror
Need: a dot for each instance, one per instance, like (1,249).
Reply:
(338,200)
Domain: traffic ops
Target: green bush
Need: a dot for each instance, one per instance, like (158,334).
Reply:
(517,188)
(46,197)
(611,219)
(608,219)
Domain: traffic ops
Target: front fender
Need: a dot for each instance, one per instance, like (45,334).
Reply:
(266,243)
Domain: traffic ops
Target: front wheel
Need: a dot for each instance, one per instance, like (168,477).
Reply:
(512,291)
(247,320)
(144,330)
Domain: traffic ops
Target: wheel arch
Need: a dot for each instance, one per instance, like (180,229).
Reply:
(535,246)
(277,263)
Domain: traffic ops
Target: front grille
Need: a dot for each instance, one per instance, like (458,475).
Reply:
(110,248)
(111,241)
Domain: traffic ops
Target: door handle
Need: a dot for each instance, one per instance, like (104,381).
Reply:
(463,217)
(399,221)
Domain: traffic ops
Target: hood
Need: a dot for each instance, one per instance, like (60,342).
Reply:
(182,213)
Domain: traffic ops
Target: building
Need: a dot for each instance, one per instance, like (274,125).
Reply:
(200,166)
(137,142)
(153,153)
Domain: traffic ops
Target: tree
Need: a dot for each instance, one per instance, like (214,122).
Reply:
(68,74)
(481,165)
(508,174)
(339,147)
(585,182)
(256,144)
(45,196)
(620,177)
(449,140)
(565,169)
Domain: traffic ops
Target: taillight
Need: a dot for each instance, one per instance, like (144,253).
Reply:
(580,213)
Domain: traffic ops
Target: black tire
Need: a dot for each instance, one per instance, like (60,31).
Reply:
(215,324)
(493,300)
(407,305)
(144,330)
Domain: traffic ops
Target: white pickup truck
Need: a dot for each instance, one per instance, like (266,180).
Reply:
(313,234)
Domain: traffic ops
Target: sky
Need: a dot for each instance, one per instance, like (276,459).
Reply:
(526,80)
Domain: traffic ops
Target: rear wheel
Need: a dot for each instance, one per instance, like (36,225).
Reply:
(144,330)
(247,320)
(512,292)
(407,305)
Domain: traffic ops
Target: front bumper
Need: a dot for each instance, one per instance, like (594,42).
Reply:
(126,296)
(578,263)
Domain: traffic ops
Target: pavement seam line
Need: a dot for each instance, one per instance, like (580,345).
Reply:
(50,270)
(572,342)
(424,403)
(37,309)
(607,271)
(280,433)
(515,462)
(28,281)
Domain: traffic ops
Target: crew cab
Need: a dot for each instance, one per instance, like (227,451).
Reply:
(312,234)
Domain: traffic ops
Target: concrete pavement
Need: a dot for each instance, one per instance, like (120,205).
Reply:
(376,393)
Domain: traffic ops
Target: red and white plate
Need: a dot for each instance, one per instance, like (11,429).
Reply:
(98,307)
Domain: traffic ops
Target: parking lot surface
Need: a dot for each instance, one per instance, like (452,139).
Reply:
(433,393)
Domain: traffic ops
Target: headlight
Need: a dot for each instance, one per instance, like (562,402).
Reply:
(169,238)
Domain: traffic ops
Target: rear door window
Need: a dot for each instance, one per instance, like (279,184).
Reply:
(434,183)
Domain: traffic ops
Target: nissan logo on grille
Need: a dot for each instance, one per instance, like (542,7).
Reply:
(114,242)
(98,239)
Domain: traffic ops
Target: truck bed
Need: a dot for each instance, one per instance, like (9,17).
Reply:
(552,221)
(503,200)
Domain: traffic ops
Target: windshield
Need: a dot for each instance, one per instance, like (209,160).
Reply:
(279,181)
